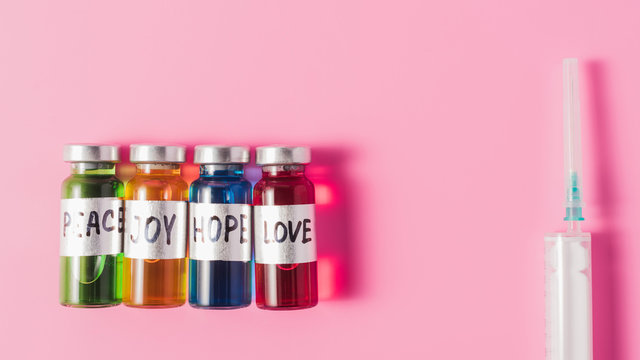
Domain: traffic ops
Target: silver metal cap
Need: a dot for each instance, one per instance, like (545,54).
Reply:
(91,153)
(143,153)
(273,155)
(215,154)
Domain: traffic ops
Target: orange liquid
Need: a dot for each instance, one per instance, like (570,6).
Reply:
(153,283)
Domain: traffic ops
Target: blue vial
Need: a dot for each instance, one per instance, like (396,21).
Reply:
(220,229)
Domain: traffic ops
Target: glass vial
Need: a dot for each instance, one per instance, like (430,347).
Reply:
(155,229)
(220,229)
(284,221)
(91,227)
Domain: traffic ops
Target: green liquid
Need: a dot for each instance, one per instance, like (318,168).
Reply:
(91,281)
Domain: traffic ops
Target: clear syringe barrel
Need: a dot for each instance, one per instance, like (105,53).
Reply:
(568,296)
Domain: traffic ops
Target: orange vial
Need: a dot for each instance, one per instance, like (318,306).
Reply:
(155,229)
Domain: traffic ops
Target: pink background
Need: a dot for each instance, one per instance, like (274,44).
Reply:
(436,131)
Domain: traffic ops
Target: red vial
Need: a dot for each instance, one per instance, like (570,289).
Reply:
(284,221)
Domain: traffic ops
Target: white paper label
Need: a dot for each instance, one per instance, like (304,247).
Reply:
(220,232)
(285,234)
(91,226)
(155,229)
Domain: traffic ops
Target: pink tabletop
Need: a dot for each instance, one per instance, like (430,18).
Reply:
(436,129)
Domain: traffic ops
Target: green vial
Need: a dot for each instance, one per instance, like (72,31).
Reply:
(91,228)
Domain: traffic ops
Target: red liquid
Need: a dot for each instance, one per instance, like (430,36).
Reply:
(285,286)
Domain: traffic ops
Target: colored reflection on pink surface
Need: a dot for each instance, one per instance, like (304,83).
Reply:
(323,195)
(327,277)
(337,260)
(190,172)
(125,171)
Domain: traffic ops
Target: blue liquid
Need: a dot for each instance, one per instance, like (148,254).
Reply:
(220,284)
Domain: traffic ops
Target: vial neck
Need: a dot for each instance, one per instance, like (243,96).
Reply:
(158,169)
(226,170)
(289,170)
(93,168)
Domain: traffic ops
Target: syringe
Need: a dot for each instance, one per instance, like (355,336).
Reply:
(568,254)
